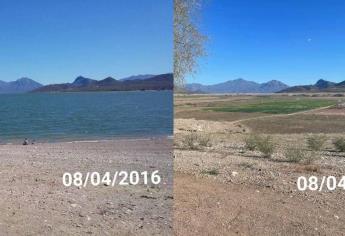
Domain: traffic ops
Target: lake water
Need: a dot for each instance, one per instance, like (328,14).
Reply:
(83,116)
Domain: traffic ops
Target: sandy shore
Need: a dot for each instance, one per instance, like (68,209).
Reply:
(34,201)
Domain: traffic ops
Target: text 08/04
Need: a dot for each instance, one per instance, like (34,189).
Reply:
(122,178)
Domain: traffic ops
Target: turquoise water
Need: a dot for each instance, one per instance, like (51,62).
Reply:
(82,116)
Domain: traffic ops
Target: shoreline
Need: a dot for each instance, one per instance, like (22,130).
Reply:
(91,140)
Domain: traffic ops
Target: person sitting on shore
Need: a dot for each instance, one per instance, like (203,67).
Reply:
(26,142)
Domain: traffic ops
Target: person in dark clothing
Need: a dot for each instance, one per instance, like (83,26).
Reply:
(26,142)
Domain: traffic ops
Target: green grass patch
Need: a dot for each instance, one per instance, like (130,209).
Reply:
(273,106)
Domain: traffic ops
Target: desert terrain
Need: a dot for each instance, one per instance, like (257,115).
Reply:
(34,200)
(222,187)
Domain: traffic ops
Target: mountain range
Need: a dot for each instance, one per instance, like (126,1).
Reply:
(165,82)
(320,86)
(135,82)
(238,86)
(156,82)
(21,85)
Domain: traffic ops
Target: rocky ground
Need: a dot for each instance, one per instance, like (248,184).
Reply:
(221,188)
(35,202)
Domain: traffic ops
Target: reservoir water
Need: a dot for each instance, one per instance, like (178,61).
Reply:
(85,115)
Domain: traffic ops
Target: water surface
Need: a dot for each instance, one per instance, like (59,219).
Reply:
(87,115)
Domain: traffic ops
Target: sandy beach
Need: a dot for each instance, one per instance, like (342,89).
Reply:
(34,200)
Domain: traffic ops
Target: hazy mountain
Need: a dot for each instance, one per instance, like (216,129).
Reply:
(320,86)
(323,84)
(21,85)
(134,77)
(272,86)
(158,82)
(82,81)
(109,81)
(238,86)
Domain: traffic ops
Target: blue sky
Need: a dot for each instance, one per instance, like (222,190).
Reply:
(295,41)
(55,41)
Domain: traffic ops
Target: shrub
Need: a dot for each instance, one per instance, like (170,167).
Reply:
(266,146)
(251,142)
(190,141)
(295,154)
(211,172)
(309,159)
(339,144)
(316,142)
(195,141)
(204,140)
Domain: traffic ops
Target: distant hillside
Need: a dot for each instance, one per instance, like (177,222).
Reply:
(19,86)
(134,77)
(80,84)
(320,86)
(238,86)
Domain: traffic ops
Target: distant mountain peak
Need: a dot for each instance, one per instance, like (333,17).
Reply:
(138,77)
(108,80)
(321,83)
(20,85)
(24,79)
(79,78)
(82,81)
(274,81)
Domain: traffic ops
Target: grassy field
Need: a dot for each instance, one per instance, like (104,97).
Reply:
(276,106)
(256,108)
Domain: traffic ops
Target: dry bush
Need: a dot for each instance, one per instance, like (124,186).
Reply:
(339,144)
(251,142)
(316,142)
(190,141)
(195,141)
(213,171)
(265,145)
(295,154)
(311,158)
(204,140)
